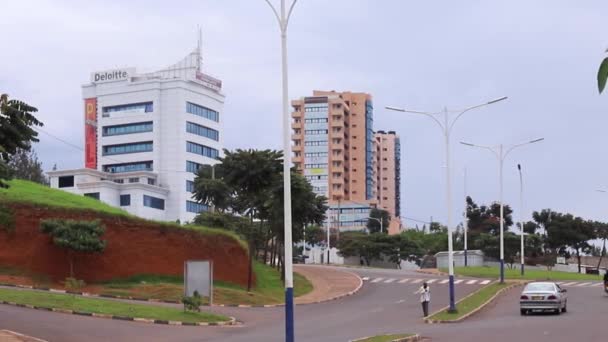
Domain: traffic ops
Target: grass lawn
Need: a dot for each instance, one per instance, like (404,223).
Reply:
(471,303)
(385,338)
(108,307)
(269,289)
(494,273)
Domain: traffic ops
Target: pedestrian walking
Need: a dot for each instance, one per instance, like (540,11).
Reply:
(425,297)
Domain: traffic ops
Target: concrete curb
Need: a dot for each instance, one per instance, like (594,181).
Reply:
(476,310)
(22,336)
(435,272)
(232,320)
(414,338)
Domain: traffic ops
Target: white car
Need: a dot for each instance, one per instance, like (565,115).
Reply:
(543,296)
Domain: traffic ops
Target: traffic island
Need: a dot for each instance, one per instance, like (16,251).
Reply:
(471,304)
(389,338)
(102,308)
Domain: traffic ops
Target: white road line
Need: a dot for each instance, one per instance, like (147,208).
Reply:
(560,282)
(471,282)
(389,280)
(430,281)
(569,284)
(365,278)
(416,281)
(404,280)
(584,284)
(377,280)
(458,281)
(484,282)
(597,284)
(400,301)
(444,281)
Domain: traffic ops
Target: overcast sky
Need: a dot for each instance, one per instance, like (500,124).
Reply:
(422,55)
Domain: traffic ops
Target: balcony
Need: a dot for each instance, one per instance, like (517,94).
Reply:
(337,157)
(296,125)
(337,123)
(296,148)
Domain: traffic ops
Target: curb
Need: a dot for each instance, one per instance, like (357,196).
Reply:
(437,272)
(232,320)
(479,308)
(413,338)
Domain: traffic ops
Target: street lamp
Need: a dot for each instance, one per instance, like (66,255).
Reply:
(446,129)
(501,154)
(521,208)
(283,21)
(465,220)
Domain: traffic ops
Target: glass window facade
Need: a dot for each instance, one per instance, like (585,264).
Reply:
(137,147)
(202,131)
(125,200)
(154,202)
(202,111)
(128,167)
(66,181)
(192,166)
(316,149)
(203,150)
(369,149)
(142,107)
(189,186)
(194,207)
(138,127)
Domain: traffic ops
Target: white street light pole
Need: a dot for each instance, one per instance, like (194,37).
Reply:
(283,20)
(521,217)
(446,128)
(465,219)
(500,154)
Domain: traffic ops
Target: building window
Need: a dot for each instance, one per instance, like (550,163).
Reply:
(315,154)
(151,181)
(154,202)
(202,131)
(315,166)
(202,111)
(119,181)
(203,150)
(192,166)
(143,107)
(127,148)
(314,131)
(134,180)
(138,127)
(189,186)
(125,200)
(66,181)
(128,167)
(94,195)
(193,207)
(385,149)
(316,143)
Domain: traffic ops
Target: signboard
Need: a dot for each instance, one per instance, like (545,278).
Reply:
(90,133)
(561,260)
(112,75)
(198,276)
(208,81)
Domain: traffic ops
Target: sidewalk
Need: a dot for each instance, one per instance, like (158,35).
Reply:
(329,283)
(11,336)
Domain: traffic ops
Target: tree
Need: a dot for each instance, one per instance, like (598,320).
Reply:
(602,74)
(373,225)
(314,234)
(565,230)
(75,237)
(25,165)
(371,247)
(601,232)
(486,219)
(16,131)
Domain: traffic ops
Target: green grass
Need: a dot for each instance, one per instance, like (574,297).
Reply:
(108,307)
(493,273)
(385,338)
(470,303)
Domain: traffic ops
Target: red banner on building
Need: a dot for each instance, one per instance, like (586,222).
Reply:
(90,133)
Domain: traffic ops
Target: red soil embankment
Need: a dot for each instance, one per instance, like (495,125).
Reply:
(133,247)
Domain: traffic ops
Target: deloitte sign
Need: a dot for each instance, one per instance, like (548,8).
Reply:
(112,75)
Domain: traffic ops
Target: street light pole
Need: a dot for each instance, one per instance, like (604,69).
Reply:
(521,208)
(465,219)
(446,129)
(283,21)
(500,154)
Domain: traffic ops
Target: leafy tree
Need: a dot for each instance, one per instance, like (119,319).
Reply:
(75,237)
(486,219)
(429,243)
(16,131)
(25,165)
(601,232)
(373,226)
(314,234)
(371,247)
(602,75)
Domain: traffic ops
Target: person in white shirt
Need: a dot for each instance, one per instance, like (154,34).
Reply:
(425,298)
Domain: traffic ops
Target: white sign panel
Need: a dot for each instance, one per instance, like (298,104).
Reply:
(561,260)
(198,276)
(112,75)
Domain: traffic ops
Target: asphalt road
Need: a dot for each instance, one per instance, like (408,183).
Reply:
(380,307)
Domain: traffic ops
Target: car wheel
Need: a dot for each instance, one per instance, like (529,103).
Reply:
(558,311)
(523,312)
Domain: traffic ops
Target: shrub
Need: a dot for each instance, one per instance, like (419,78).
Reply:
(74,284)
(192,303)
(7,220)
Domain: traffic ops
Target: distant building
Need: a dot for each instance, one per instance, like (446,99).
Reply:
(388,172)
(146,134)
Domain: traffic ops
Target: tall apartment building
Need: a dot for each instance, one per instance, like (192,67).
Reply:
(388,172)
(145,136)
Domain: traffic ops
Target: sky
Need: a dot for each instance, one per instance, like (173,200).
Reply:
(420,55)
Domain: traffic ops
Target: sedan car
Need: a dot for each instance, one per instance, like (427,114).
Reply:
(543,296)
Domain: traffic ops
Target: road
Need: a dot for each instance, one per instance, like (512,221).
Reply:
(381,306)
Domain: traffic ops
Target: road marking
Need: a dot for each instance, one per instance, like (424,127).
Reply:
(584,284)
(404,280)
(597,284)
(430,281)
(389,280)
(471,282)
(416,281)
(400,301)
(484,282)
(365,278)
(377,280)
(444,281)
(560,282)
(572,283)
(458,281)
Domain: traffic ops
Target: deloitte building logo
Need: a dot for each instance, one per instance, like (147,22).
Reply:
(112,75)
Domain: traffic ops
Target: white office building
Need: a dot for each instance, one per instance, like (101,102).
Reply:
(145,136)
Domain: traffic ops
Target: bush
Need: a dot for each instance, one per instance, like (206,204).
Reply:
(192,303)
(74,284)
(7,220)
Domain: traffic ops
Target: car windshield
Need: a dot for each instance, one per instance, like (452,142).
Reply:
(539,287)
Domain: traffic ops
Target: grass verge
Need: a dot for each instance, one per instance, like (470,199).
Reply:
(493,272)
(107,307)
(470,303)
(385,338)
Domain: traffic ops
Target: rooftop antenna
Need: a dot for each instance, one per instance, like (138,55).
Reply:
(200,49)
